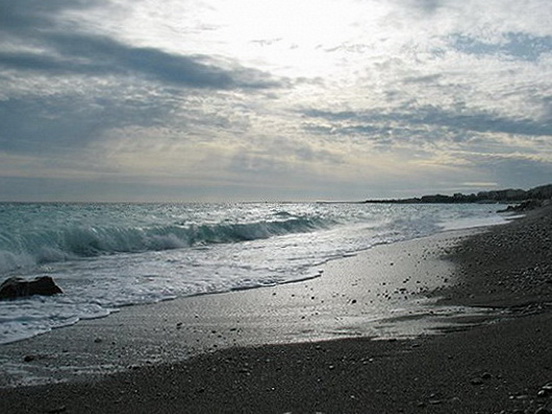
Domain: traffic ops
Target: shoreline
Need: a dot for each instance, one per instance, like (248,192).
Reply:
(228,379)
(363,295)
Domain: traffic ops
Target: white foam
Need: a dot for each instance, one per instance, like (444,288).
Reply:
(473,222)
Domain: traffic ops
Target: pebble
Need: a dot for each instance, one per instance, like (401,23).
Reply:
(476,381)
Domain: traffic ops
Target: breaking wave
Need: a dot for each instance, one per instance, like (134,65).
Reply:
(46,246)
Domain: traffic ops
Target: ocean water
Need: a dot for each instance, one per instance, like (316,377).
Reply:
(105,256)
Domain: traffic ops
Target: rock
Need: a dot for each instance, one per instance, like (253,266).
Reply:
(17,287)
(29,358)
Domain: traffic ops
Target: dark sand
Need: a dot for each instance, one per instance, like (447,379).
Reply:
(490,368)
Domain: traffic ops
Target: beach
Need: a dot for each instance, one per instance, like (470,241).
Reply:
(475,337)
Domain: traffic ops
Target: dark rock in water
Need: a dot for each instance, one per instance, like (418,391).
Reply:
(17,287)
(524,206)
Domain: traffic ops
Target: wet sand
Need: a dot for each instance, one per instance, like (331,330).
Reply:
(266,350)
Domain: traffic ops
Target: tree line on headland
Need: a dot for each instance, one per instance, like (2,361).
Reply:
(527,199)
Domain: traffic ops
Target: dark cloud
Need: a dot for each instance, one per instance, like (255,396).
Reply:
(426,6)
(95,55)
(60,120)
(372,122)
(481,122)
(92,55)
(520,46)
(65,123)
(29,17)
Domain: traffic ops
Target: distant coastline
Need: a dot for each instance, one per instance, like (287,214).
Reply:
(525,199)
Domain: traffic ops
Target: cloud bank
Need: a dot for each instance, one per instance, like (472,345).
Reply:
(201,100)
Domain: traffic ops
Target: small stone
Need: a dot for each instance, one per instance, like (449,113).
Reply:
(476,381)
(543,410)
(486,376)
(354,301)
(29,358)
(98,340)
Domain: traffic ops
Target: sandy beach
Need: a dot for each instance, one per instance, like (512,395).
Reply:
(470,333)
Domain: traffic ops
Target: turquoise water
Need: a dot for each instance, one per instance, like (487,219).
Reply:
(109,255)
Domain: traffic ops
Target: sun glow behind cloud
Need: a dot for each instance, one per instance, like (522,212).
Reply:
(298,99)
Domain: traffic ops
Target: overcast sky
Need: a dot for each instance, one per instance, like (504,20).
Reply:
(188,100)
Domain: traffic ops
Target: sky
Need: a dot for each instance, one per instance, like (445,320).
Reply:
(192,100)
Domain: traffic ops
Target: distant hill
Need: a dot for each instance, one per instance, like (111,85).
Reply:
(530,198)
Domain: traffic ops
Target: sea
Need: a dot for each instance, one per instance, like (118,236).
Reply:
(108,255)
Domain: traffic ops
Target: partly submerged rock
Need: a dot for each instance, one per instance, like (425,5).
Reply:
(17,287)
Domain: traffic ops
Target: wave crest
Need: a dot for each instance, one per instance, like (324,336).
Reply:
(33,248)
